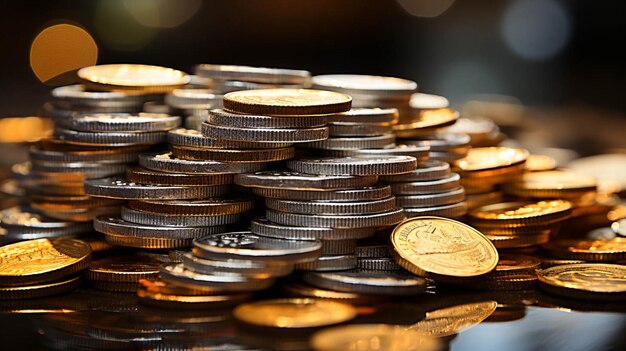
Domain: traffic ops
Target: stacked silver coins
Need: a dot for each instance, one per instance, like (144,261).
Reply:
(193,104)
(432,189)
(228,78)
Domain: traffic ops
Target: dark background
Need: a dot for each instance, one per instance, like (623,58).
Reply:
(460,53)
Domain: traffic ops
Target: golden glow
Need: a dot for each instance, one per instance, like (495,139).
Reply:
(162,13)
(24,129)
(61,48)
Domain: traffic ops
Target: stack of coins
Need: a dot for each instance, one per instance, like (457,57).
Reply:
(482,131)
(431,189)
(228,78)
(193,104)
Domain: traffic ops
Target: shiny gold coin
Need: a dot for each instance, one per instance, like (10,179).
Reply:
(452,320)
(373,337)
(41,260)
(443,247)
(608,169)
(551,184)
(39,290)
(521,214)
(590,281)
(538,163)
(510,264)
(588,250)
(488,158)
(287,102)
(427,119)
(294,313)
(161,294)
(146,78)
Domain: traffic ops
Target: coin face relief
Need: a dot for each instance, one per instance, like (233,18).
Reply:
(484,158)
(443,247)
(595,278)
(452,320)
(287,102)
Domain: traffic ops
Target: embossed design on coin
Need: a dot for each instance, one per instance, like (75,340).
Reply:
(452,320)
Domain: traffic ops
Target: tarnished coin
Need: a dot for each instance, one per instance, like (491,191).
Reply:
(294,313)
(449,182)
(453,320)
(265,135)
(120,188)
(358,194)
(593,281)
(229,119)
(370,337)
(145,176)
(175,220)
(426,170)
(193,138)
(368,282)
(455,210)
(329,263)
(521,214)
(132,77)
(116,226)
(364,84)
(551,184)
(194,99)
(380,219)
(610,250)
(39,290)
(209,207)
(302,181)
(488,158)
(421,101)
(331,208)
(169,163)
(356,165)
(245,245)
(109,138)
(443,247)
(177,274)
(287,102)
(124,122)
(355,143)
(253,74)
(249,268)
(121,273)
(437,199)
(36,261)
(263,227)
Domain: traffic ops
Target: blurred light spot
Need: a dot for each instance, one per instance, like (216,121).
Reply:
(60,49)
(24,129)
(462,78)
(425,8)
(118,29)
(503,110)
(162,13)
(536,29)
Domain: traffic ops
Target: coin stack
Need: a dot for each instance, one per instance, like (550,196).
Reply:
(193,105)
(228,78)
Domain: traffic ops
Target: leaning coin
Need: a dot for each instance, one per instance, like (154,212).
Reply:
(233,155)
(117,226)
(265,135)
(368,282)
(426,170)
(39,290)
(209,207)
(263,227)
(36,261)
(357,165)
(229,119)
(193,138)
(331,208)
(169,220)
(177,274)
(249,268)
(109,139)
(245,245)
(146,176)
(359,194)
(120,188)
(169,163)
(365,84)
(299,181)
(386,336)
(337,221)
(124,122)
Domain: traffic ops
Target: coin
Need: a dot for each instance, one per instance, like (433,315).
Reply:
(232,155)
(26,224)
(120,188)
(109,138)
(539,163)
(592,281)
(227,86)
(455,210)
(263,227)
(487,158)
(303,290)
(169,163)
(193,138)
(209,207)
(364,84)
(146,176)
(358,194)
(194,99)
(110,155)
(607,169)
(154,294)
(426,170)
(169,220)
(367,115)
(369,337)
(453,320)
(254,74)
(178,275)
(508,241)
(368,282)
(428,119)
(354,143)
(331,208)
(132,77)
(124,122)
(421,101)
(40,289)
(248,268)
(229,119)
(381,219)
(372,251)
(348,129)
(117,226)
(419,152)
(436,199)
(329,262)
(265,135)
(443,247)
(378,264)
(245,245)
(588,250)
(77,95)
(521,214)
(287,102)
(299,181)
(42,260)
(551,184)
(125,270)
(449,182)
(356,165)
(294,313)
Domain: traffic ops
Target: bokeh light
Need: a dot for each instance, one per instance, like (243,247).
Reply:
(536,29)
(162,13)
(24,129)
(118,29)
(60,49)
(425,8)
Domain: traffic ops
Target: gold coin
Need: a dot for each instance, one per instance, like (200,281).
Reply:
(123,269)
(301,290)
(36,261)
(287,102)
(515,241)
(588,280)
(538,163)
(133,77)
(452,320)
(371,337)
(39,290)
(608,169)
(521,214)
(588,250)
(511,264)
(161,294)
(444,247)
(551,184)
(488,158)
(428,119)
(294,313)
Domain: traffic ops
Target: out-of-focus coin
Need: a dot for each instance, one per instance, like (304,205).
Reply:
(364,84)
(132,77)
(160,294)
(551,184)
(428,119)
(263,227)
(36,261)
(452,320)
(426,170)
(607,169)
(265,135)
(487,158)
(77,95)
(109,138)
(169,163)
(588,250)
(233,155)
(443,247)
(24,224)
(209,207)
(331,208)
(619,227)
(422,101)
(177,274)
(368,282)
(287,102)
(437,199)
(356,165)
(300,181)
(253,74)
(449,182)
(124,122)
(358,194)
(193,138)
(521,214)
(304,290)
(40,289)
(227,86)
(194,99)
(229,119)
(145,176)
(419,152)
(120,188)
(593,281)
(73,153)
(370,337)
(509,241)
(381,219)
(294,313)
(539,163)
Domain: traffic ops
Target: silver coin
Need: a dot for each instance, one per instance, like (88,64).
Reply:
(168,163)
(367,115)
(372,251)
(124,122)
(120,188)
(332,208)
(37,154)
(442,141)
(267,135)
(456,210)
(224,118)
(245,245)
(249,268)
(228,86)
(375,142)
(117,226)
(87,169)
(375,86)
(448,157)
(25,224)
(158,219)
(437,199)
(355,165)
(360,194)
(368,282)
(329,263)
(337,221)
(177,274)
(208,207)
(193,138)
(78,214)
(254,74)
(78,95)
(263,227)
(426,170)
(356,129)
(419,152)
(156,107)
(378,264)
(194,121)
(619,227)
(338,247)
(450,182)
(299,181)
(109,139)
(603,233)
(194,99)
